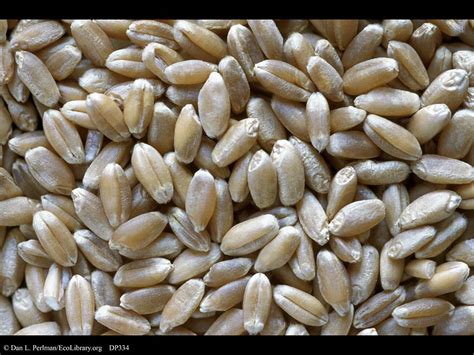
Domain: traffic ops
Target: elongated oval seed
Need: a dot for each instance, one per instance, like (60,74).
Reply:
(64,137)
(283,79)
(55,286)
(21,143)
(191,263)
(214,106)
(371,172)
(410,241)
(201,199)
(25,310)
(143,32)
(290,172)
(128,62)
(429,208)
(37,35)
(423,312)
(369,74)
(357,217)
(106,115)
(91,212)
(105,292)
(33,253)
(97,251)
(249,236)
(161,130)
(429,121)
(448,277)
(182,304)
(456,138)
(303,263)
(198,41)
(347,249)
(269,127)
(34,279)
(165,245)
(387,101)
(80,306)
(342,190)
(238,180)
(442,61)
(115,194)
(224,297)
(256,303)
(421,268)
(236,83)
(138,232)
(226,271)
(412,71)
(352,145)
(300,305)
(362,47)
(187,135)
(391,270)
(317,121)
(184,230)
(244,47)
(76,112)
(92,40)
(152,172)
(449,88)
(12,270)
(230,322)
(313,219)
(50,170)
(326,78)
(316,170)
(37,78)
(325,50)
(93,144)
(143,273)
(122,321)
(189,72)
(262,179)
(297,50)
(55,238)
(268,37)
(392,138)
(237,141)
(364,275)
(292,115)
(378,307)
(443,170)
(345,118)
(333,282)
(279,250)
(396,199)
(138,107)
(147,300)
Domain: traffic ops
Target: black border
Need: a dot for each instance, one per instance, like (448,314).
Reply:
(207,9)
